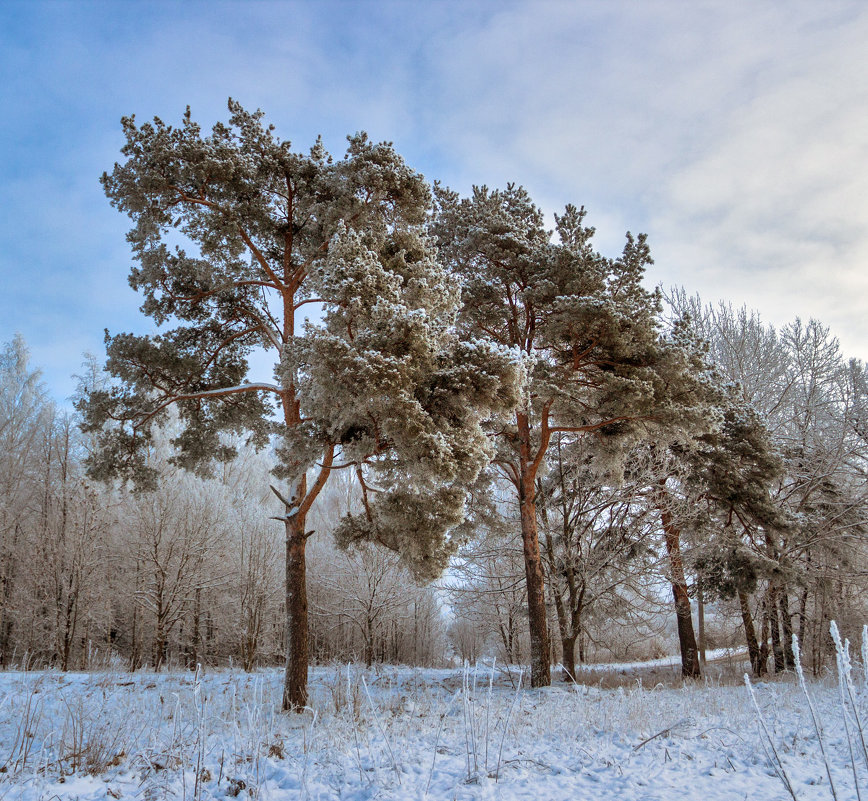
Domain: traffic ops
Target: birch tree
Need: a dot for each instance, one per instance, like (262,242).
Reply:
(25,420)
(171,531)
(71,543)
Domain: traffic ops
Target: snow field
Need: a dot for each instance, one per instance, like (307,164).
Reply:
(402,733)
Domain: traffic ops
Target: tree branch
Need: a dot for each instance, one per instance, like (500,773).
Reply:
(309,300)
(212,393)
(324,473)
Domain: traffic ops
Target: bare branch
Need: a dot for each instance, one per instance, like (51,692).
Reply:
(288,504)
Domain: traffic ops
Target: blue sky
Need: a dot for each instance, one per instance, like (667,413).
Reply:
(734,134)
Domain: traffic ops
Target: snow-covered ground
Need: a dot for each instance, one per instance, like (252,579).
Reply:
(403,733)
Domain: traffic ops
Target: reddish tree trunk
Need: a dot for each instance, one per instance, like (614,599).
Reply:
(297,647)
(295,683)
(686,638)
(297,644)
(540,657)
(540,672)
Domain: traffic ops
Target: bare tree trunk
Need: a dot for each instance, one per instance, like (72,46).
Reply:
(757,664)
(772,613)
(568,639)
(195,639)
(803,618)
(134,640)
(787,630)
(252,631)
(6,583)
(686,638)
(160,646)
(415,634)
(568,646)
(6,625)
(764,636)
(505,632)
(69,626)
(818,651)
(700,620)
(369,642)
(690,667)
(577,605)
(297,646)
(540,667)
(540,671)
(136,646)
(512,654)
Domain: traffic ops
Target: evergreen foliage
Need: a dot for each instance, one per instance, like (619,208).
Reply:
(587,335)
(382,386)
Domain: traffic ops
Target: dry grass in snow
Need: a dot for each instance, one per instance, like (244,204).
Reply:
(402,733)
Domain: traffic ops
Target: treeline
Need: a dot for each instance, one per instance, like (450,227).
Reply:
(480,389)
(192,572)
(759,529)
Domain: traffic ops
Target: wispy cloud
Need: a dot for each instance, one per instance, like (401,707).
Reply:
(736,140)
(734,135)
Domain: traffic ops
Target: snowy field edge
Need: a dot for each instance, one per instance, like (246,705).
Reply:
(407,733)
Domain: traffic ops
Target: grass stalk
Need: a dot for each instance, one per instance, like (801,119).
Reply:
(382,731)
(814,718)
(769,744)
(506,727)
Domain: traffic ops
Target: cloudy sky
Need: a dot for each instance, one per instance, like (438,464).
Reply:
(734,133)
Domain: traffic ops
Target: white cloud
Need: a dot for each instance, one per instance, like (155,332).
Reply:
(773,211)
(734,134)
(737,140)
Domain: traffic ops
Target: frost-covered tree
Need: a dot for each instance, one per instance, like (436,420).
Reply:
(382,387)
(70,540)
(732,474)
(489,596)
(823,490)
(800,391)
(586,333)
(597,537)
(171,532)
(25,421)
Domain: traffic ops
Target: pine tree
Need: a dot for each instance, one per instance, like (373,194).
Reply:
(383,387)
(715,485)
(586,332)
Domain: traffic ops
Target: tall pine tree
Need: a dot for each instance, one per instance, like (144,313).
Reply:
(382,387)
(586,332)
